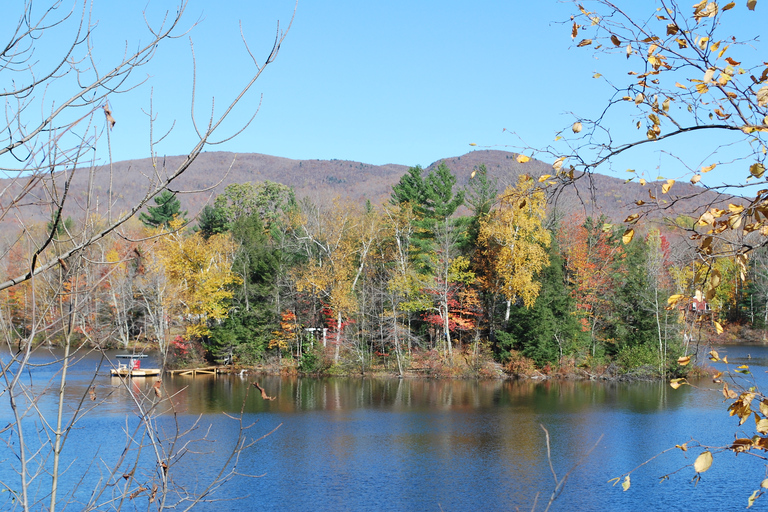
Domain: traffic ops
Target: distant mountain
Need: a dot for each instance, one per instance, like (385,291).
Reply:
(325,179)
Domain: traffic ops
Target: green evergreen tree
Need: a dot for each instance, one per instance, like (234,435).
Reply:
(212,221)
(633,320)
(167,208)
(548,330)
(480,193)
(245,334)
(410,188)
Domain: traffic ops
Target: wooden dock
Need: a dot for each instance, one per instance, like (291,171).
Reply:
(208,370)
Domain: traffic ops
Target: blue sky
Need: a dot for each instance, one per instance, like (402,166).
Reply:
(404,82)
(395,82)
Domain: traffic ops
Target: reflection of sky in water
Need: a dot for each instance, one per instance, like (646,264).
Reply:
(390,444)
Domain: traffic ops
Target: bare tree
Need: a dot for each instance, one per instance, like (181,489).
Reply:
(59,119)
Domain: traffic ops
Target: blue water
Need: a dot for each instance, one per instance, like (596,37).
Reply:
(390,444)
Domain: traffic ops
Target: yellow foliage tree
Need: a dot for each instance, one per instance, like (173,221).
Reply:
(200,274)
(337,242)
(514,241)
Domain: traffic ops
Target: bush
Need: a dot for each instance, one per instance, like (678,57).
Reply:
(631,357)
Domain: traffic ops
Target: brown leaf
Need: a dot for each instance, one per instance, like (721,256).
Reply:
(137,492)
(108,113)
(751,4)
(615,40)
(584,42)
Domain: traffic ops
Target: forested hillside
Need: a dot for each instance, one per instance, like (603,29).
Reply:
(118,187)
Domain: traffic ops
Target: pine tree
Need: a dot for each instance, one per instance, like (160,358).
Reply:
(167,208)
(212,221)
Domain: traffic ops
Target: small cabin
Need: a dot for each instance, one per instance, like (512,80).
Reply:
(698,306)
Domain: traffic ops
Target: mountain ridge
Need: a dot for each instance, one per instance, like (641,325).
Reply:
(322,180)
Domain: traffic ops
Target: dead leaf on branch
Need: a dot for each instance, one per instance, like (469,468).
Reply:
(703,462)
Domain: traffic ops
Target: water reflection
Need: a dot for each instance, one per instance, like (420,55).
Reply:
(419,444)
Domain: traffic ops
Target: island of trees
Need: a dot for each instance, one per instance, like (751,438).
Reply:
(439,280)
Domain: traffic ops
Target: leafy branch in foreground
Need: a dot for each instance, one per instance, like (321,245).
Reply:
(697,93)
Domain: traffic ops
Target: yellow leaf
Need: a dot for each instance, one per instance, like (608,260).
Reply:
(639,98)
(684,360)
(625,483)
(674,299)
(576,127)
(708,168)
(714,356)
(757,170)
(627,236)
(472,144)
(629,50)
(729,6)
(679,85)
(544,177)
(718,328)
(596,75)
(632,218)
(665,187)
(642,181)
(683,446)
(522,159)
(558,164)
(764,484)
(703,462)
(676,383)
(735,208)
(696,178)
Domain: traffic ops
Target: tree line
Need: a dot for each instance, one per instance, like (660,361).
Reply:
(412,284)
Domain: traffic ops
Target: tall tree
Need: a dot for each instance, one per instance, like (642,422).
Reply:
(514,241)
(548,330)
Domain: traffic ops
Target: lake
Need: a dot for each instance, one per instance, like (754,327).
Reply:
(413,444)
